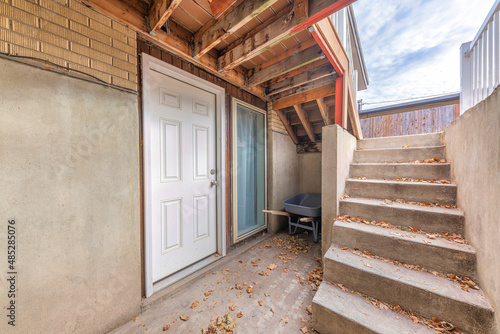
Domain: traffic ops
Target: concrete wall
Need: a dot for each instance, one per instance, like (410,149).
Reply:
(473,149)
(310,172)
(69,169)
(283,176)
(338,151)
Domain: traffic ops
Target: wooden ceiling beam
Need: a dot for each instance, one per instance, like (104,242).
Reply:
(317,129)
(310,95)
(220,6)
(305,123)
(320,9)
(159,13)
(300,79)
(308,67)
(286,65)
(325,111)
(216,30)
(287,125)
(329,80)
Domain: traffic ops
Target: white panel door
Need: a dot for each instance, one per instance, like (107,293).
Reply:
(183,162)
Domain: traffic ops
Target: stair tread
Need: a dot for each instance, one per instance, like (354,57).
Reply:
(411,183)
(401,148)
(404,206)
(356,309)
(400,164)
(417,279)
(407,236)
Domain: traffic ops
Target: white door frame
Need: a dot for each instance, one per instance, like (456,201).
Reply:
(151,63)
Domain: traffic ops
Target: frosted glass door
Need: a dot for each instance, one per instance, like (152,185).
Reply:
(250,169)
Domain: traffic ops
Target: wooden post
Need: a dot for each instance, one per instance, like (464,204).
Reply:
(339,85)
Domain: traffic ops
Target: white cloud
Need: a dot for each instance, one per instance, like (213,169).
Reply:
(412,47)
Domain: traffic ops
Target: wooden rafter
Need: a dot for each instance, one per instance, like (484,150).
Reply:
(286,65)
(329,80)
(301,9)
(287,125)
(220,6)
(159,13)
(297,71)
(310,95)
(216,30)
(300,79)
(325,112)
(320,9)
(303,119)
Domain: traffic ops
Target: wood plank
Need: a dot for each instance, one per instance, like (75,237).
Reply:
(320,9)
(264,39)
(297,71)
(279,213)
(327,38)
(329,80)
(216,30)
(305,122)
(220,6)
(287,125)
(301,9)
(159,13)
(407,109)
(286,65)
(311,95)
(301,79)
(353,109)
(324,110)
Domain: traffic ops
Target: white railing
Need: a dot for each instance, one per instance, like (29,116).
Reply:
(480,62)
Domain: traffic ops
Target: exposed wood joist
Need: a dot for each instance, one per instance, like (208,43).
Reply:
(324,110)
(216,30)
(159,13)
(317,129)
(278,31)
(310,95)
(297,71)
(329,80)
(220,6)
(314,116)
(305,122)
(301,79)
(287,125)
(301,9)
(286,65)
(175,42)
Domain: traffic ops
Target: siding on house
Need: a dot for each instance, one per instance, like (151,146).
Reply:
(69,34)
(410,123)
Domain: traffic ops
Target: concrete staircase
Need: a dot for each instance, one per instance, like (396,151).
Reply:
(377,162)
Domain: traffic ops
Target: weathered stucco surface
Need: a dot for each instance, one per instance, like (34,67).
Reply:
(69,169)
(310,172)
(338,151)
(283,176)
(473,149)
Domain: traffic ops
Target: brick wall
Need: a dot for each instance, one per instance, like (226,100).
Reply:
(68,33)
(274,123)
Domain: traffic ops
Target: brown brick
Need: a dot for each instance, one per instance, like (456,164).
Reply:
(125,65)
(91,53)
(109,50)
(18,39)
(40,12)
(64,33)
(132,41)
(107,31)
(124,83)
(132,60)
(123,29)
(106,68)
(18,50)
(90,33)
(40,35)
(64,11)
(67,55)
(132,77)
(89,12)
(19,15)
(103,76)
(124,47)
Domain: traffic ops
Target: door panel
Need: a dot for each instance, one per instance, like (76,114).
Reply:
(183,152)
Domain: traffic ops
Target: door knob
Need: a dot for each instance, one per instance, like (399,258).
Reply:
(213,183)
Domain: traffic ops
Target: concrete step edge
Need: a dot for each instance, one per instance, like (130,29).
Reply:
(390,149)
(409,183)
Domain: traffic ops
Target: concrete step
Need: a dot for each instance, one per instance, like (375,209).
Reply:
(398,154)
(431,139)
(436,171)
(437,254)
(339,312)
(444,194)
(429,219)
(423,293)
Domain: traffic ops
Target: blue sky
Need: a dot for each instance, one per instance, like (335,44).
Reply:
(411,47)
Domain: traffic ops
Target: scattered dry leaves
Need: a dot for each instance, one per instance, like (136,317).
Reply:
(184,317)
(193,305)
(239,315)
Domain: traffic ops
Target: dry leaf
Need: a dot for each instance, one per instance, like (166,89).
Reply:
(272,266)
(304,329)
(309,309)
(415,319)
(239,315)
(184,317)
(232,307)
(250,289)
(194,304)
(166,327)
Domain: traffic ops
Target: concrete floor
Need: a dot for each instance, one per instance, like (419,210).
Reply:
(284,299)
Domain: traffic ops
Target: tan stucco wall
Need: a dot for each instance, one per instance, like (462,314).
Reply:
(338,151)
(69,169)
(473,149)
(283,176)
(310,172)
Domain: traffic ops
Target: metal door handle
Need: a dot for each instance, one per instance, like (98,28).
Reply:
(214,183)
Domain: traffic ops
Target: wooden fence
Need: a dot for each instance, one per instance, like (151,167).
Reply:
(410,123)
